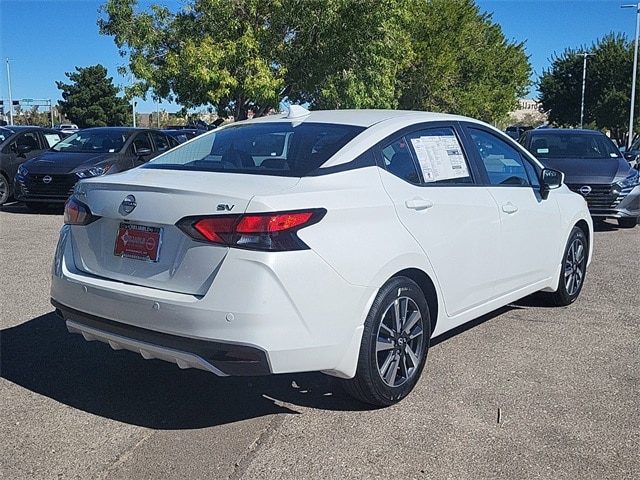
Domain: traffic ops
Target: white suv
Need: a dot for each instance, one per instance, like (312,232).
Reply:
(67,127)
(333,241)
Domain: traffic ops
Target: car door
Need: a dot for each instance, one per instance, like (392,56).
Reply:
(530,224)
(455,221)
(11,159)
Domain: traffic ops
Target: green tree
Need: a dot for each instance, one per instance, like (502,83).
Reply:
(607,86)
(441,55)
(462,63)
(32,116)
(91,100)
(216,52)
(346,54)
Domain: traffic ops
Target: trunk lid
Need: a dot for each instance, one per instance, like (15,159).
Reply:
(160,198)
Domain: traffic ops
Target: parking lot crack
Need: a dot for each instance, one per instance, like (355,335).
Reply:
(265,435)
(124,457)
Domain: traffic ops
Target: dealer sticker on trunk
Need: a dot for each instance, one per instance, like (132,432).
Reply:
(139,242)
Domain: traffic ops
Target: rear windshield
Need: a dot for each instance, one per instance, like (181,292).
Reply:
(568,145)
(279,148)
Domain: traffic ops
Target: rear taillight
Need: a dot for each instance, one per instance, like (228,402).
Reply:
(261,231)
(77,213)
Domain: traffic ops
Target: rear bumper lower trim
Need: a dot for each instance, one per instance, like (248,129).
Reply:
(220,358)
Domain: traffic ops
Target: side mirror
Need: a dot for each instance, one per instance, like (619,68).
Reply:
(622,149)
(551,179)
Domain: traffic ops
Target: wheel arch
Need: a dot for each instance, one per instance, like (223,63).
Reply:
(584,226)
(428,288)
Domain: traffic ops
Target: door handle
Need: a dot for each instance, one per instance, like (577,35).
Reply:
(509,208)
(418,204)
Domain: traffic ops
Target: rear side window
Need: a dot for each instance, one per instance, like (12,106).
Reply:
(275,148)
(162,141)
(440,156)
(52,138)
(141,142)
(430,156)
(398,161)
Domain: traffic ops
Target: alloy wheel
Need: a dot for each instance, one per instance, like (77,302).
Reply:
(574,266)
(399,347)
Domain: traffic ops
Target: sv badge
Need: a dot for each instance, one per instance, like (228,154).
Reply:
(223,207)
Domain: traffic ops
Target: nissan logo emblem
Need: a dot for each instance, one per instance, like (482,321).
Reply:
(585,190)
(128,204)
(47,179)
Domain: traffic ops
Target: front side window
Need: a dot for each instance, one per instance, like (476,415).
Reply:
(503,163)
(28,139)
(273,148)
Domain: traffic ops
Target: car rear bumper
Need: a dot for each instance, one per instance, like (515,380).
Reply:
(216,357)
(258,316)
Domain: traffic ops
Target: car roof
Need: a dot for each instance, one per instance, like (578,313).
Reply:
(361,118)
(564,131)
(116,129)
(17,128)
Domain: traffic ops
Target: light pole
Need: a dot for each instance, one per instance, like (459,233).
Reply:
(584,81)
(635,69)
(10,98)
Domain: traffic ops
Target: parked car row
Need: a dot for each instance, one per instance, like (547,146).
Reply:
(592,164)
(51,177)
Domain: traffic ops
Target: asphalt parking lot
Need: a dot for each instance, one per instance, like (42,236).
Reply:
(526,393)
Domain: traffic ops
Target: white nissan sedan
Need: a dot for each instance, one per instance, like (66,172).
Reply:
(332,241)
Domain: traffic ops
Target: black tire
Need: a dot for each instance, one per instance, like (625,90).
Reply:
(627,222)
(5,189)
(574,268)
(399,321)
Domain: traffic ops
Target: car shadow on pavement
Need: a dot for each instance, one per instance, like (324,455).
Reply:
(21,208)
(41,356)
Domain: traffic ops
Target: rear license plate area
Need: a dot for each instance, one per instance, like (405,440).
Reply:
(139,242)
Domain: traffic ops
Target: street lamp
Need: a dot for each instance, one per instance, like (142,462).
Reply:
(584,81)
(10,98)
(635,69)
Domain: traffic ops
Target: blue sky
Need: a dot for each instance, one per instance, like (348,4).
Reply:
(44,39)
